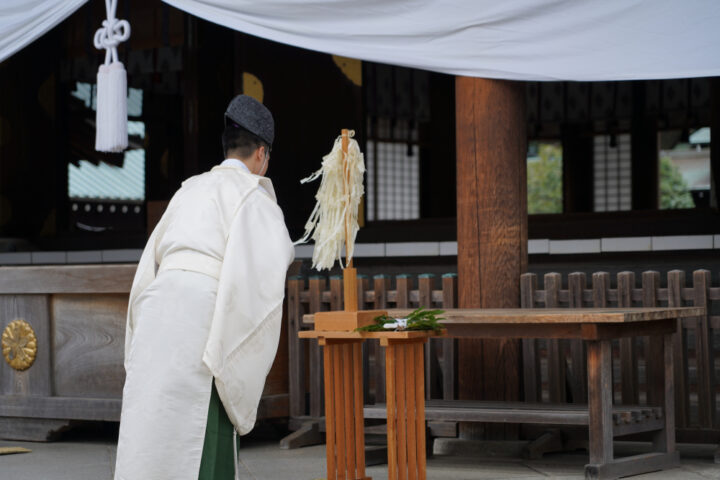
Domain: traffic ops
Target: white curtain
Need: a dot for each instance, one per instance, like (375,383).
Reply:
(511,39)
(23,21)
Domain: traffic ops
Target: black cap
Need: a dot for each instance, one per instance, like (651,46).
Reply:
(253,116)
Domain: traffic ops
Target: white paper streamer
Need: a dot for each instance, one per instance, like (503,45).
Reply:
(326,224)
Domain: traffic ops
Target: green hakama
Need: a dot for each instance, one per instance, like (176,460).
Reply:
(218,461)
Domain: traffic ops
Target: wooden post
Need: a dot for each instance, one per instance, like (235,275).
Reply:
(345,430)
(599,368)
(405,408)
(491,226)
(349,273)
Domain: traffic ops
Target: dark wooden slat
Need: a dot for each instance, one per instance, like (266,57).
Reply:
(493,415)
(648,425)
(600,287)
(578,373)
(67,279)
(70,408)
(600,412)
(531,359)
(403,286)
(556,351)
(296,348)
(664,440)
(316,286)
(704,357)
(381,284)
(364,286)
(449,350)
(426,282)
(500,405)
(628,352)
(653,358)
(676,282)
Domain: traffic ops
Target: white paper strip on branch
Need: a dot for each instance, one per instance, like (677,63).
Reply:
(111,116)
(584,40)
(338,192)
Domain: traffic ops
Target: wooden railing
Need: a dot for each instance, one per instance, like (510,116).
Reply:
(553,371)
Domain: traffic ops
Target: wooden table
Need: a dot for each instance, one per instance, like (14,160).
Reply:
(405,387)
(597,327)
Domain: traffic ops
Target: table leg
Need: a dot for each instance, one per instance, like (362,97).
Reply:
(345,431)
(602,464)
(599,370)
(405,390)
(664,440)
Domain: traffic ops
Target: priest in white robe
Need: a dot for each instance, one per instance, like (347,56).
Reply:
(205,312)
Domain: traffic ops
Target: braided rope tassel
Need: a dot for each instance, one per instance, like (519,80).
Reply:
(111,116)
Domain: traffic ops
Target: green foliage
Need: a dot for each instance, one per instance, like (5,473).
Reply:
(674,192)
(419,319)
(544,180)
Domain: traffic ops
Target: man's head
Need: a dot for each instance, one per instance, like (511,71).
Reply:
(249,133)
(245,146)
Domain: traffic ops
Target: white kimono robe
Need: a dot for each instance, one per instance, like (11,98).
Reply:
(206,302)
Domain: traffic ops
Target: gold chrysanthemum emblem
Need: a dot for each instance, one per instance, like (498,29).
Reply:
(19,345)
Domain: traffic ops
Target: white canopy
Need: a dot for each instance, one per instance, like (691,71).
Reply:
(514,39)
(519,39)
(23,21)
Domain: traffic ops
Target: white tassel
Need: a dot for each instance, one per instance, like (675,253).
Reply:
(326,224)
(111,115)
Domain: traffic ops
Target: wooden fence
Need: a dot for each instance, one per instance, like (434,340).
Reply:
(553,370)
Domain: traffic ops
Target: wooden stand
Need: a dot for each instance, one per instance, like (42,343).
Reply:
(405,387)
(344,421)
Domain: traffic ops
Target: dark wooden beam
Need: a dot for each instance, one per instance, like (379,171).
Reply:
(491,228)
(191,99)
(577,164)
(715,142)
(644,153)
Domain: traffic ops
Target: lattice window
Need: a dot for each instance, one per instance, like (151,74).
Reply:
(397,101)
(613,172)
(393,182)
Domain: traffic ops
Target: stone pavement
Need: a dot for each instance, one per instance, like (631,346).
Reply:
(91,456)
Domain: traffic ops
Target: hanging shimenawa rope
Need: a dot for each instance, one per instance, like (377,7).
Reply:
(111,116)
(333,222)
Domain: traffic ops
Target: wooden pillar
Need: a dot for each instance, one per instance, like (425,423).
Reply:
(492,227)
(577,164)
(715,142)
(644,153)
